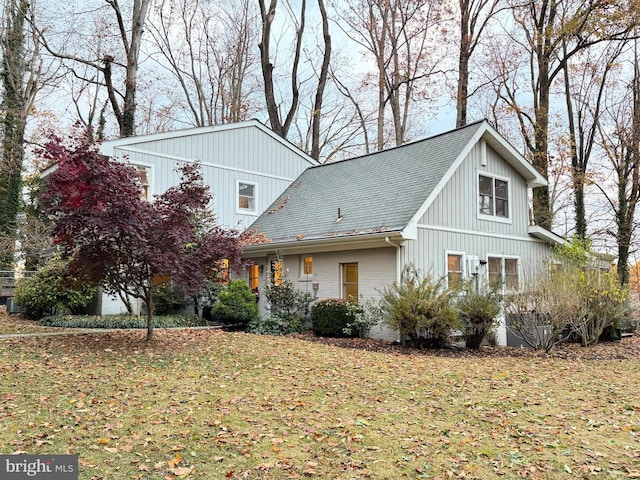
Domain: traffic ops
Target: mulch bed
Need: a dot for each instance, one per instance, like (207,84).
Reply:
(627,348)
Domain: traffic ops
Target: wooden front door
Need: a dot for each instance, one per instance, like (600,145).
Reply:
(350,281)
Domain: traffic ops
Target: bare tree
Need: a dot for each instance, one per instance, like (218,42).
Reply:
(474,18)
(621,143)
(551,32)
(281,122)
(396,36)
(124,58)
(208,50)
(585,84)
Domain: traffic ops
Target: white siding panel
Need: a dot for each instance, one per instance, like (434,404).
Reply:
(247,154)
(457,205)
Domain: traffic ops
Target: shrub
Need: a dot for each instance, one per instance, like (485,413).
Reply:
(119,321)
(167,299)
(53,289)
(478,310)
(363,316)
(274,325)
(604,301)
(332,316)
(285,301)
(236,305)
(421,309)
(207,297)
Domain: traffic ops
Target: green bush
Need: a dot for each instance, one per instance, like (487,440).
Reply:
(236,305)
(478,310)
(364,315)
(332,316)
(53,289)
(273,325)
(420,309)
(167,299)
(120,321)
(285,301)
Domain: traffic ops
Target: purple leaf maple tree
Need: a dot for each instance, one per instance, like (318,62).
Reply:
(121,241)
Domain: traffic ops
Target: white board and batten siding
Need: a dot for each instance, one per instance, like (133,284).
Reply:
(453,223)
(230,154)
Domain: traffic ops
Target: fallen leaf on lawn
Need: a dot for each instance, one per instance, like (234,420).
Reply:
(181,471)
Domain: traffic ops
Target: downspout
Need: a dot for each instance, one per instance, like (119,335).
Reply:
(398,259)
(401,336)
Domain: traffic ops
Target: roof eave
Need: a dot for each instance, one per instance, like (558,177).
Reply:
(540,233)
(342,242)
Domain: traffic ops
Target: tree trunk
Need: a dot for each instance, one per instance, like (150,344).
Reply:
(14,117)
(149,302)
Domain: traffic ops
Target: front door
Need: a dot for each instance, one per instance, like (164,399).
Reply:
(350,281)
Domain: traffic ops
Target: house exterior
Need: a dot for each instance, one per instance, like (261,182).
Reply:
(246,165)
(454,205)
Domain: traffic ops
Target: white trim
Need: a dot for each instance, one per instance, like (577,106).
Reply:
(204,164)
(494,217)
(149,168)
(502,258)
(542,233)
(107,147)
(246,211)
(478,233)
(496,141)
(463,263)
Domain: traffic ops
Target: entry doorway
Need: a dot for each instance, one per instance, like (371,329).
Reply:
(350,281)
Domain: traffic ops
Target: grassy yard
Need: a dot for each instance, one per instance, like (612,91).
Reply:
(209,404)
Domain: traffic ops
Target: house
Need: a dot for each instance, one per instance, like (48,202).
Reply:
(246,165)
(453,205)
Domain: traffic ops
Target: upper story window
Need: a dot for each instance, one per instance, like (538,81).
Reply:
(493,196)
(246,197)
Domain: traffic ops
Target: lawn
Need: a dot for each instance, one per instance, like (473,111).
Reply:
(211,404)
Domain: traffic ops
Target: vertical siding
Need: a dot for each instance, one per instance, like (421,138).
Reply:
(248,153)
(457,205)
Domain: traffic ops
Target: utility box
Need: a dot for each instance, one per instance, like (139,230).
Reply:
(13,308)
(473,264)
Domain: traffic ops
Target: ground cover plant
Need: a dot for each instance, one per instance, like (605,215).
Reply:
(212,404)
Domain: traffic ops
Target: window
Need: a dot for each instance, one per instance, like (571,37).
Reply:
(144,182)
(307,266)
(493,196)
(246,196)
(277,271)
(503,273)
(350,281)
(254,277)
(223,271)
(454,268)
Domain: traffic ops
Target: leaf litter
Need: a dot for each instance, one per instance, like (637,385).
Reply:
(211,404)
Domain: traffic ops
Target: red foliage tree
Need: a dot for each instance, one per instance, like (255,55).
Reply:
(121,241)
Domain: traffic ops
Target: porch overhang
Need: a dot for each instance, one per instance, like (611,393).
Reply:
(333,244)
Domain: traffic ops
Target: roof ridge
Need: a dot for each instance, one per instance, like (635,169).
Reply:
(415,142)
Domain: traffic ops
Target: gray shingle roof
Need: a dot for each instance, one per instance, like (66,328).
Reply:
(380,192)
